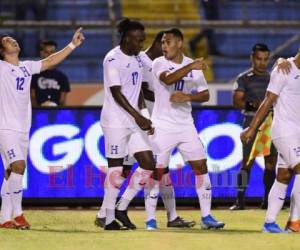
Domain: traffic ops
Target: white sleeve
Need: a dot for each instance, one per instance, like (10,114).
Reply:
(111,72)
(200,81)
(158,67)
(34,66)
(277,82)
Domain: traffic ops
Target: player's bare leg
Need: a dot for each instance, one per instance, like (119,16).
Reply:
(203,189)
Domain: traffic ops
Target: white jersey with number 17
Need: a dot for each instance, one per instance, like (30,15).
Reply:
(127,72)
(15,104)
(168,115)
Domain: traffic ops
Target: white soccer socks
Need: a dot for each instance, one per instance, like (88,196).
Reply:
(113,182)
(165,188)
(203,189)
(168,196)
(275,201)
(151,193)
(6,205)
(293,216)
(296,193)
(16,192)
(137,182)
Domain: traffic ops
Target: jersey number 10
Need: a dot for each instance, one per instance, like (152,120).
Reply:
(20,82)
(179,85)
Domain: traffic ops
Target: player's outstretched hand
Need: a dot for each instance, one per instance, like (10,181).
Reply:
(247,135)
(199,64)
(144,124)
(78,37)
(283,66)
(179,97)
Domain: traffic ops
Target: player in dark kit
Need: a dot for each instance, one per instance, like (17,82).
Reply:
(249,91)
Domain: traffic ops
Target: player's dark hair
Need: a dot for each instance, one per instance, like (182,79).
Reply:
(159,36)
(1,46)
(174,31)
(45,43)
(126,25)
(260,47)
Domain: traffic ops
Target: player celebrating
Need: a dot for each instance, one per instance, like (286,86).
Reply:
(166,187)
(123,125)
(178,81)
(283,92)
(15,121)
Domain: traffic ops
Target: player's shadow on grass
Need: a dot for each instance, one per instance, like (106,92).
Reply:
(201,231)
(139,230)
(68,231)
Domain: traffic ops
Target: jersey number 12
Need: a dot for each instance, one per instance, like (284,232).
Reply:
(20,82)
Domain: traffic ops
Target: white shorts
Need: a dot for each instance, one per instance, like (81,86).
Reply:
(119,142)
(288,151)
(13,146)
(187,142)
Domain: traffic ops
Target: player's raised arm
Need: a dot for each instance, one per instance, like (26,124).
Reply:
(59,56)
(171,78)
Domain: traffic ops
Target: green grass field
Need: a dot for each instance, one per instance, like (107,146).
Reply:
(74,229)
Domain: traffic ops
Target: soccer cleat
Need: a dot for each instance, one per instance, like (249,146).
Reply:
(293,226)
(114,225)
(100,222)
(151,224)
(209,222)
(272,228)
(237,206)
(8,225)
(180,222)
(21,222)
(124,219)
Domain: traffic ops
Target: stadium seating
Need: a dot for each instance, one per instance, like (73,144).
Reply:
(233,44)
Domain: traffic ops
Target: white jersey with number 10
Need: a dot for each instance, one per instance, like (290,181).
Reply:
(168,115)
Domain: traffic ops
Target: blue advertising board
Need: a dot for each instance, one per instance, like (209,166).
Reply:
(67,160)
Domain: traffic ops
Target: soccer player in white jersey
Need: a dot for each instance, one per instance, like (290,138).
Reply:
(284,93)
(124,127)
(178,81)
(166,187)
(15,121)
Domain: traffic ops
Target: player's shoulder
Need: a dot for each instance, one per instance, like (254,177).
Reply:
(113,55)
(159,59)
(187,60)
(145,58)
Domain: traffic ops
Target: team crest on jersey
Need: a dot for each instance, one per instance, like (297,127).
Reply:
(139,61)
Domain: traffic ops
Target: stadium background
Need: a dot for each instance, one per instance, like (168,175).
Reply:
(56,170)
